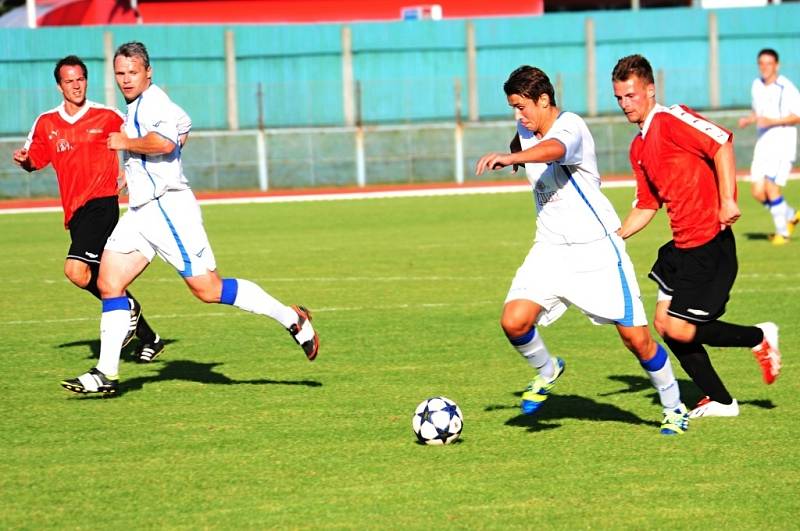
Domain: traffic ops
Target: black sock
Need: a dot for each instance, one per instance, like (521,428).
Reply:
(143,330)
(722,334)
(694,360)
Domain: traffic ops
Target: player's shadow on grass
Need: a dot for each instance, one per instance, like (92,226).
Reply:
(574,407)
(205,373)
(690,394)
(94,347)
(756,235)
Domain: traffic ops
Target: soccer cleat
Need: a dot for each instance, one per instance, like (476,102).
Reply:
(767,353)
(303,333)
(539,389)
(778,239)
(93,381)
(136,313)
(791,224)
(147,352)
(710,408)
(676,421)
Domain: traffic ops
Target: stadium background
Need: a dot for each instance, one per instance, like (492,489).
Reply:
(283,106)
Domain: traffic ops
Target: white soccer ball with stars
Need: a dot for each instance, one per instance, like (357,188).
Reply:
(437,420)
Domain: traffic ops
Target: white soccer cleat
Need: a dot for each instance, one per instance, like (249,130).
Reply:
(710,408)
(767,353)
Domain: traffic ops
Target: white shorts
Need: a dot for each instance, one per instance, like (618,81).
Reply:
(765,167)
(596,277)
(171,227)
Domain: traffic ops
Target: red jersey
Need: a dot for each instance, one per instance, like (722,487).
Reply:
(673,161)
(76,146)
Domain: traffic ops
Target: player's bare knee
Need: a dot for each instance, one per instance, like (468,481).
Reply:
(515,324)
(682,334)
(79,278)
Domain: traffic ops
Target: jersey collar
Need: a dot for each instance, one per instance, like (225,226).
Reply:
(62,111)
(658,108)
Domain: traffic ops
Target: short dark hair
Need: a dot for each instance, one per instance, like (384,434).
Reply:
(529,82)
(633,65)
(134,49)
(70,60)
(769,51)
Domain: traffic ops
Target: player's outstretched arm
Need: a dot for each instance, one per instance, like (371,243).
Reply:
(23,160)
(763,121)
(550,150)
(150,144)
(637,219)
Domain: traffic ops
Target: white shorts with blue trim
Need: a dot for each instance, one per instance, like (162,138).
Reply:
(776,170)
(171,227)
(596,277)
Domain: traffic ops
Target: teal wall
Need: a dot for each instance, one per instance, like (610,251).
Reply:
(406,70)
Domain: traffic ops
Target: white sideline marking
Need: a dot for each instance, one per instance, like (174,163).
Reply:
(387,194)
(423,305)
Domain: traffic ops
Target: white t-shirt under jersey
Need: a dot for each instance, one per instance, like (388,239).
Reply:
(570,206)
(149,176)
(776,100)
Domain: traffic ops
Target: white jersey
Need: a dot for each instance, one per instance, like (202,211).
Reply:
(776,100)
(570,206)
(149,176)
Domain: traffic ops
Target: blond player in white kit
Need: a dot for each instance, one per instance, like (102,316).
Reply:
(163,219)
(776,112)
(577,258)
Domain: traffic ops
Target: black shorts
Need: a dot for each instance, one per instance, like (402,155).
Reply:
(90,227)
(698,279)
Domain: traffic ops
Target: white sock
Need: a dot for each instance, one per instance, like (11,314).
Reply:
(251,298)
(779,211)
(113,329)
(659,369)
(535,352)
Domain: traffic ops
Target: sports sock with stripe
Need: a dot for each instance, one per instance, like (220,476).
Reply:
(532,348)
(778,209)
(659,369)
(143,330)
(250,297)
(114,325)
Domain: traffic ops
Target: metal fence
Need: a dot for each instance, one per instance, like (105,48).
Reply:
(356,156)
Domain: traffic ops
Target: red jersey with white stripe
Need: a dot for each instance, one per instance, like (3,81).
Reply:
(76,147)
(673,161)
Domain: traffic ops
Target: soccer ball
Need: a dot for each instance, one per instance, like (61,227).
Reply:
(437,420)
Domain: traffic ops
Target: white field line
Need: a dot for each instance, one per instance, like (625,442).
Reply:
(363,308)
(386,194)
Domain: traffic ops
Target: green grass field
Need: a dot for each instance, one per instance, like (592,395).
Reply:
(233,428)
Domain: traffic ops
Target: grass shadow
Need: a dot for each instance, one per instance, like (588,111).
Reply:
(756,235)
(574,407)
(94,347)
(690,393)
(205,373)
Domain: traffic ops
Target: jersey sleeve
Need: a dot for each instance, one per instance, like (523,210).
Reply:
(568,132)
(792,96)
(692,132)
(183,121)
(36,145)
(161,117)
(646,196)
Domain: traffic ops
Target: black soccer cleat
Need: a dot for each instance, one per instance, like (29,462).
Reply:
(304,334)
(93,381)
(136,313)
(147,352)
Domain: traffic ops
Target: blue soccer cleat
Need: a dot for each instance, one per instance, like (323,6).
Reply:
(676,421)
(539,389)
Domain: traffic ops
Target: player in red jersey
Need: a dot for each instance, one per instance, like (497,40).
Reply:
(72,137)
(686,162)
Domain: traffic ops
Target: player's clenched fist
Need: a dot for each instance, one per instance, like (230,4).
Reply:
(20,157)
(117,141)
